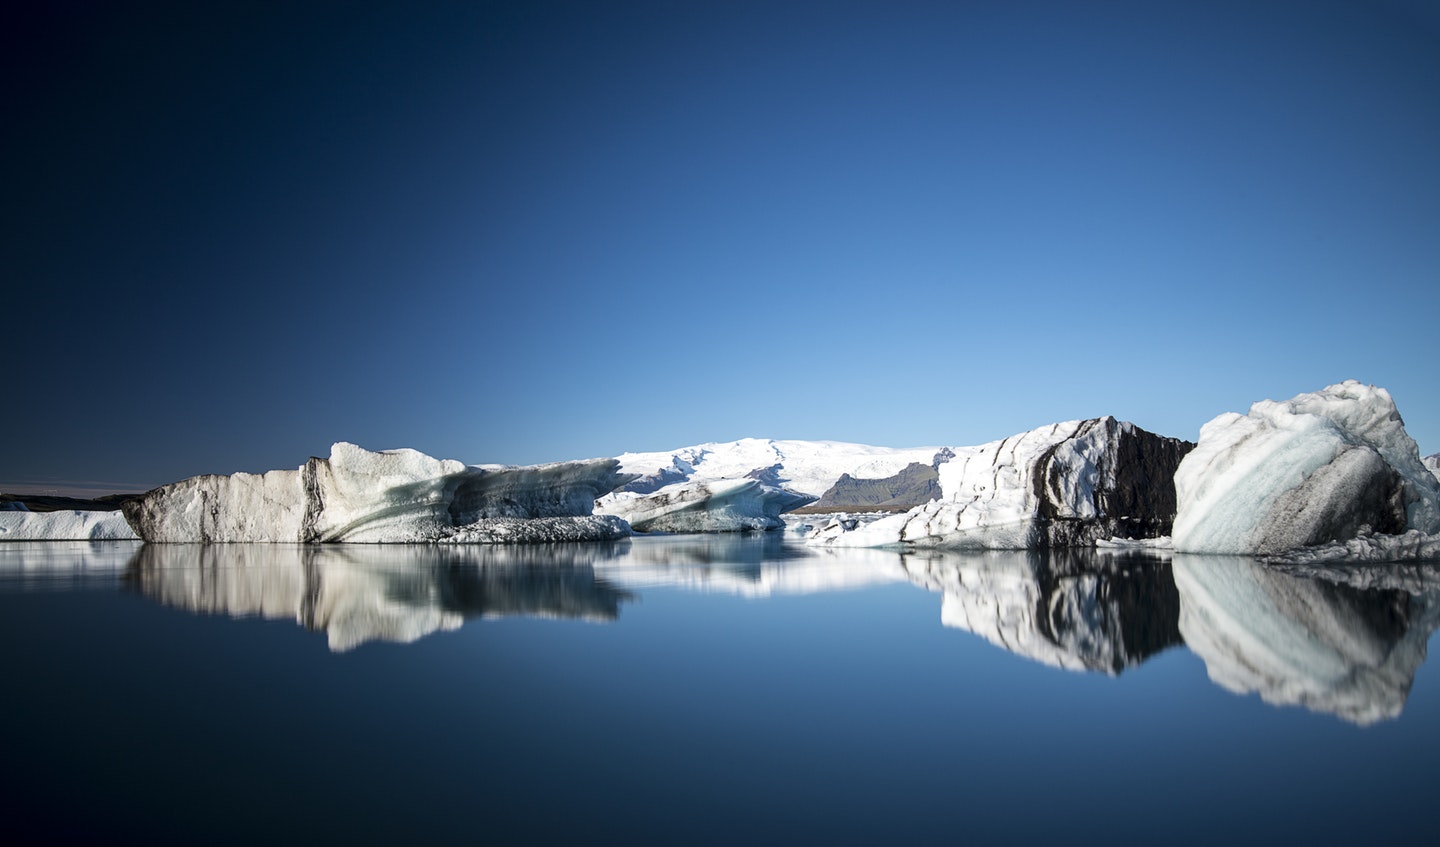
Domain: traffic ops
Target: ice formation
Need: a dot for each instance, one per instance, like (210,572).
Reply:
(1317,468)
(392,496)
(66,525)
(1064,485)
(1433,463)
(723,505)
(1304,642)
(1055,607)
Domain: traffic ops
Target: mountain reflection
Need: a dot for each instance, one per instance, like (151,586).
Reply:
(1303,641)
(360,593)
(1068,609)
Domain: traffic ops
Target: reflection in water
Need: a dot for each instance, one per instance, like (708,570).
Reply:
(748,564)
(1340,640)
(1303,641)
(359,593)
(1067,609)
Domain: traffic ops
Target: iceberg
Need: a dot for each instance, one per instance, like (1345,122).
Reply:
(1433,463)
(1300,641)
(724,505)
(393,496)
(64,525)
(1069,484)
(1324,467)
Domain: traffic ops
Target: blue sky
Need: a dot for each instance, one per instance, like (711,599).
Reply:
(521,232)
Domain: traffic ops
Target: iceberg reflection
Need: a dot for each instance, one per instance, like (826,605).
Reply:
(360,593)
(1303,641)
(1068,609)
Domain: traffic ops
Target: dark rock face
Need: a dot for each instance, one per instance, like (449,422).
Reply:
(1357,489)
(1135,497)
(913,485)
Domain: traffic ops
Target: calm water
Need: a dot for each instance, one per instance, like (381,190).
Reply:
(717,690)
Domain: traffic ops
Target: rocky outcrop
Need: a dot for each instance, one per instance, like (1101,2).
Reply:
(360,496)
(913,485)
(1065,485)
(1324,467)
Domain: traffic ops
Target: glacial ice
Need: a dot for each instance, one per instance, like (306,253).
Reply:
(394,496)
(67,525)
(1064,485)
(722,505)
(1305,642)
(1322,467)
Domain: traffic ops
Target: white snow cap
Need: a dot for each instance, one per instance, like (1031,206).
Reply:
(1316,468)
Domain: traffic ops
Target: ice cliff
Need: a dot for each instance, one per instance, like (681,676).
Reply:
(1328,466)
(1065,485)
(392,496)
(65,525)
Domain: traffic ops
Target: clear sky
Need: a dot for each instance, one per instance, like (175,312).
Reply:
(522,232)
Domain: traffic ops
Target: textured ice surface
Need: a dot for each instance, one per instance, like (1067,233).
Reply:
(723,505)
(1317,468)
(1304,642)
(356,495)
(1064,485)
(64,526)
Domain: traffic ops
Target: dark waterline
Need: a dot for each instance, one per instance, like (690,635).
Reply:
(704,689)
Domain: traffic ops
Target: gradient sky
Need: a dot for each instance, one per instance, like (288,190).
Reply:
(522,232)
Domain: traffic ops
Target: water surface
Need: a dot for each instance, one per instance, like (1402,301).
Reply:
(711,689)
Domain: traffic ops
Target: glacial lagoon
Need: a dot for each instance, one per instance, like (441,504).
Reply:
(709,689)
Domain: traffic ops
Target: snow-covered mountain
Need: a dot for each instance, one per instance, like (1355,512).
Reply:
(807,467)
(746,484)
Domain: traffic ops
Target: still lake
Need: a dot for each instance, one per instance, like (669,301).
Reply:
(706,689)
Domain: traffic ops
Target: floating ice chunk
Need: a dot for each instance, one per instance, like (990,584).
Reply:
(65,525)
(1064,485)
(725,505)
(1310,470)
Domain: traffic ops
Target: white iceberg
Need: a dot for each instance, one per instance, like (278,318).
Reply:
(724,505)
(1432,462)
(394,496)
(65,525)
(1069,484)
(1322,467)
